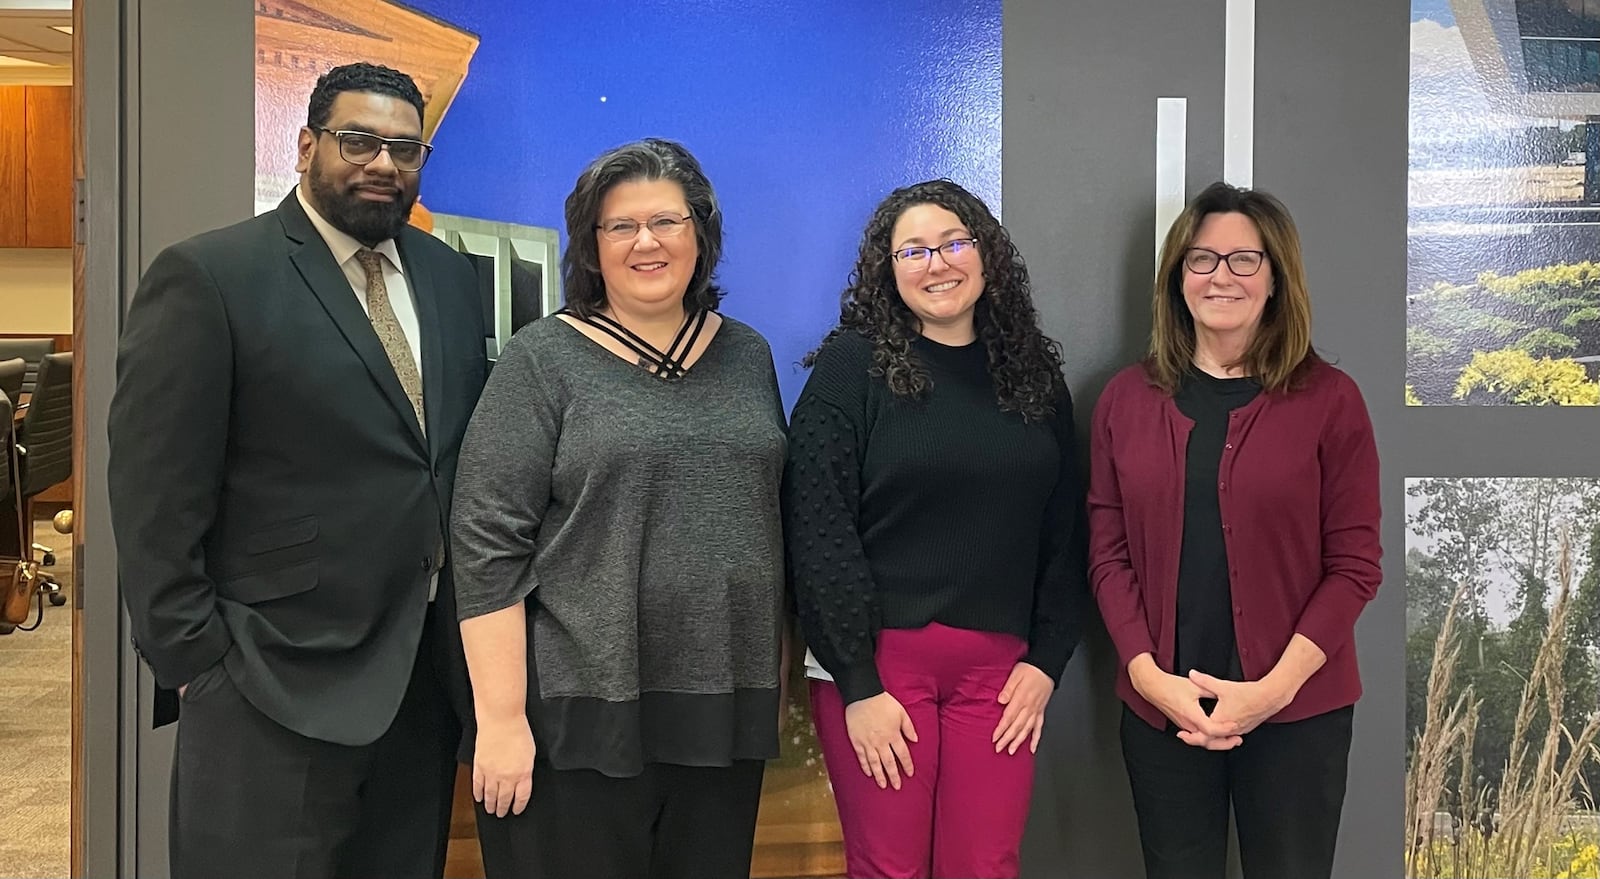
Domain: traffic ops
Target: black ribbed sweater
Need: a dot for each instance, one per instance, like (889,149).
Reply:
(900,512)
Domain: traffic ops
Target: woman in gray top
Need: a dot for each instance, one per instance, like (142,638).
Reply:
(618,553)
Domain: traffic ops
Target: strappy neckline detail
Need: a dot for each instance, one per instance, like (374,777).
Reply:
(668,365)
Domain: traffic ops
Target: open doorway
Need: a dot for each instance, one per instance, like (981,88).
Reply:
(38,145)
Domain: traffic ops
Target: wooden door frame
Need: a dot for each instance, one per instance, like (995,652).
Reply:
(79,431)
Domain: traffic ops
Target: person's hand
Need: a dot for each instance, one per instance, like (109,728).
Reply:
(1242,706)
(1179,699)
(1026,693)
(879,728)
(502,766)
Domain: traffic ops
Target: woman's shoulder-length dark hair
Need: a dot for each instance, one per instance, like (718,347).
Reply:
(648,159)
(1280,354)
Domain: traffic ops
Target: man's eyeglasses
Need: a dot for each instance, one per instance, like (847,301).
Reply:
(361,148)
(921,257)
(660,225)
(1243,263)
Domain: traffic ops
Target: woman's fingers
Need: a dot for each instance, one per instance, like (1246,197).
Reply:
(902,752)
(1014,733)
(876,762)
(524,793)
(891,767)
(1007,718)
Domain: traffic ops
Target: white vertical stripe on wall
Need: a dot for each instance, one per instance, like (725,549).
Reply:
(1239,93)
(1171,156)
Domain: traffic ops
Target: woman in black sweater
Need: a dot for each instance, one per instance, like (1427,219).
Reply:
(933,517)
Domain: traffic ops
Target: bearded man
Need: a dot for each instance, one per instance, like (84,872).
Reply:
(291,396)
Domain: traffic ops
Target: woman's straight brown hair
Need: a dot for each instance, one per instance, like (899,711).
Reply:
(1280,351)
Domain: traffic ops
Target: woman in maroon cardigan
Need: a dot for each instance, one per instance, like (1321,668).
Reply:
(1233,515)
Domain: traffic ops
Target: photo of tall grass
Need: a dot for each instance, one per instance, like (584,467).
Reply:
(1502,677)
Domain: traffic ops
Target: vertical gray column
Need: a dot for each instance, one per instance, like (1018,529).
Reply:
(100,775)
(183,98)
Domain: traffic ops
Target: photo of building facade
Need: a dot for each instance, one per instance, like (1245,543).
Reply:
(1503,289)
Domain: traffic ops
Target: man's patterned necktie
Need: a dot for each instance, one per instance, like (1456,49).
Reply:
(387,326)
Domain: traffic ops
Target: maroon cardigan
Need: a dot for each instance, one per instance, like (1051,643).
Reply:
(1298,489)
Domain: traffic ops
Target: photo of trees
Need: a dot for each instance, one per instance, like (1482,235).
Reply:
(1502,677)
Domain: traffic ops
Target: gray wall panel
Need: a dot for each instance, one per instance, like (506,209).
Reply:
(1331,103)
(1080,89)
(190,153)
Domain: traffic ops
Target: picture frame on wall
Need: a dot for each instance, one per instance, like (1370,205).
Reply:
(518,268)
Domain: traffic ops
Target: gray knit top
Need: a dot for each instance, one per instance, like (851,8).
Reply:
(637,518)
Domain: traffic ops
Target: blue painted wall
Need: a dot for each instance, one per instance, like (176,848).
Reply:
(805,114)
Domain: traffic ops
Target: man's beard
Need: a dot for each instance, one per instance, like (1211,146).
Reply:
(366,221)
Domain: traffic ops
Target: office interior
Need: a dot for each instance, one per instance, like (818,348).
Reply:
(151,136)
(36,351)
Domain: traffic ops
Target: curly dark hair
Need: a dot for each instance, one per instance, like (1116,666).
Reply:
(359,77)
(1024,363)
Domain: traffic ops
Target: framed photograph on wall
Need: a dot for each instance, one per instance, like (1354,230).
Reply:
(519,271)
(1503,204)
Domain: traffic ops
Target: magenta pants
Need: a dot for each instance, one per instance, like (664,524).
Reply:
(963,813)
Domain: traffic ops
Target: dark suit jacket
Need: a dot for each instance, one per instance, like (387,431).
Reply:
(275,506)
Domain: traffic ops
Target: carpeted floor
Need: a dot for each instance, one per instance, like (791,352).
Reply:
(35,735)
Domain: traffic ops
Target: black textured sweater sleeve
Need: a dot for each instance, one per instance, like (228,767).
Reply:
(1061,593)
(828,569)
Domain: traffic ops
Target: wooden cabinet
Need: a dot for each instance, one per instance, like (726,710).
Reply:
(36,166)
(49,166)
(13,166)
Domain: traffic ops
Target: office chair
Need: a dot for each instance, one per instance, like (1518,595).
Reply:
(32,351)
(44,440)
(44,458)
(15,546)
(12,373)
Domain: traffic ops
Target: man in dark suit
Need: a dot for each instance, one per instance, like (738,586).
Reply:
(291,395)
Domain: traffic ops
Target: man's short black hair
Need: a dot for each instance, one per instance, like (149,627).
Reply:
(359,77)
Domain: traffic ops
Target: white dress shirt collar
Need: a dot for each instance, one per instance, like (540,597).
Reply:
(343,246)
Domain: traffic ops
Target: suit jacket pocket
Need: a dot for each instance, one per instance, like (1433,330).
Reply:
(203,683)
(282,535)
(264,586)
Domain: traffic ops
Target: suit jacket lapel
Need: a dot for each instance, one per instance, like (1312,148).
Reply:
(315,264)
(423,289)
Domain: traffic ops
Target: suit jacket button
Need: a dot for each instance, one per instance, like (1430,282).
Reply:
(427,563)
